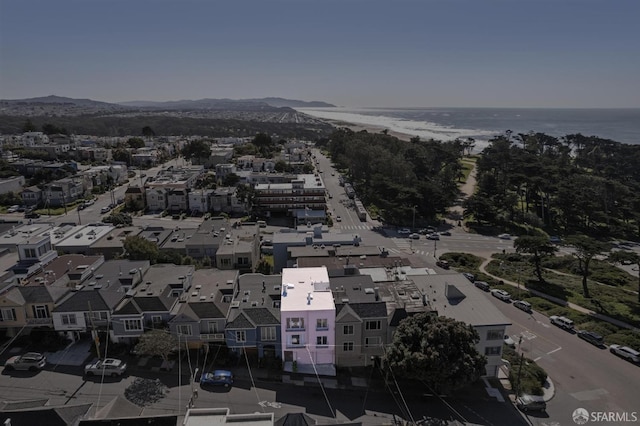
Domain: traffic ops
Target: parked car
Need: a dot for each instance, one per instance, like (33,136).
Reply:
(509,341)
(554,239)
(217,378)
(531,402)
(504,236)
(625,352)
(433,236)
(482,285)
(414,236)
(31,361)
(404,231)
(13,209)
(445,233)
(469,276)
(338,219)
(31,215)
(501,294)
(562,322)
(109,367)
(522,305)
(105,209)
(443,264)
(591,337)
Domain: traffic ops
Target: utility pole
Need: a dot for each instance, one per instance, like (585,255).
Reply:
(520,366)
(435,248)
(79,219)
(94,333)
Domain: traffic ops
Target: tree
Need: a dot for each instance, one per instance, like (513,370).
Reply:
(135,143)
(197,149)
(156,343)
(437,350)
(586,249)
(139,248)
(538,247)
(28,126)
(627,258)
(148,132)
(231,179)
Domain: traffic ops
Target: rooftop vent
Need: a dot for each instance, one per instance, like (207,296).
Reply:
(235,304)
(194,294)
(198,287)
(203,297)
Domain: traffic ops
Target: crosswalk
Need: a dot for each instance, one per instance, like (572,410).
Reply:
(356,227)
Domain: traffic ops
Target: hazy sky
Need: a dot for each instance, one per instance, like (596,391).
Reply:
(467,53)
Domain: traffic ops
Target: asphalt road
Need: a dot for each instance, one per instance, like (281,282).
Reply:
(584,375)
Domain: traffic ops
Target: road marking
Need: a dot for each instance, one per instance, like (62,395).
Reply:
(548,353)
(590,395)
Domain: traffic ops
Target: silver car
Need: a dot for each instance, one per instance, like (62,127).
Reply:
(108,366)
(625,352)
(501,294)
(31,361)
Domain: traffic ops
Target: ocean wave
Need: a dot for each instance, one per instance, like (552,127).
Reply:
(422,129)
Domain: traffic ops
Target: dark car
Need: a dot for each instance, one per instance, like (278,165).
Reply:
(31,215)
(482,285)
(443,264)
(591,337)
(469,276)
(217,378)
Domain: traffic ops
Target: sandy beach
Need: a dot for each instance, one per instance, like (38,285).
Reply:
(368,127)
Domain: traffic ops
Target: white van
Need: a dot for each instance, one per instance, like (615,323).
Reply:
(561,322)
(262,224)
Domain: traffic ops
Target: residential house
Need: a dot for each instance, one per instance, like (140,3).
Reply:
(307,317)
(225,200)
(253,326)
(199,200)
(31,196)
(201,314)
(177,200)
(240,248)
(111,244)
(34,253)
(64,191)
(134,197)
(25,307)
(362,322)
(80,242)
(156,198)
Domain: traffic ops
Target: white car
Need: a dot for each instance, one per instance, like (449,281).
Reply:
(501,294)
(522,305)
(509,341)
(13,209)
(404,231)
(562,322)
(504,236)
(31,361)
(625,352)
(109,367)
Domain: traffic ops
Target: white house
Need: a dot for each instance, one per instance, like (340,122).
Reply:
(307,321)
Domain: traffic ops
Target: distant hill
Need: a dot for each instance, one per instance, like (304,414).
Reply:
(52,99)
(227,104)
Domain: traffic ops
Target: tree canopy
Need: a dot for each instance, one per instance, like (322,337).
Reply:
(139,248)
(586,249)
(156,343)
(198,149)
(437,350)
(538,247)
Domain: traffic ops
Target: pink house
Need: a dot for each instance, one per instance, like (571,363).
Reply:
(307,318)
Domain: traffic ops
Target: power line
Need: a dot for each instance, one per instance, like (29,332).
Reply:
(321,385)
(398,387)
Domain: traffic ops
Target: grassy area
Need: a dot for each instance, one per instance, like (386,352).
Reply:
(612,301)
(527,379)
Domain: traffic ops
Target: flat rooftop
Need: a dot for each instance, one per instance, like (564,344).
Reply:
(297,283)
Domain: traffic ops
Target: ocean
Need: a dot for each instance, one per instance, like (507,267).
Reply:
(620,125)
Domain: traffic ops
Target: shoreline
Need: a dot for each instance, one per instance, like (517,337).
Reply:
(369,128)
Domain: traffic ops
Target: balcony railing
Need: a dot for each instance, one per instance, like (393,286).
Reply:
(216,337)
(39,321)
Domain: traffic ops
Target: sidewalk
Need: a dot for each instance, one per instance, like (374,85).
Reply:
(558,301)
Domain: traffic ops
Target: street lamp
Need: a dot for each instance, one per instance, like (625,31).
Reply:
(413,226)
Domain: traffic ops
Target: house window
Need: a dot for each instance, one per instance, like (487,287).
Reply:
(212,328)
(41,311)
(295,339)
(241,336)
(321,324)
(8,314)
(492,350)
(156,320)
(372,341)
(69,319)
(132,325)
(276,304)
(495,335)
(295,323)
(184,329)
(227,298)
(347,346)
(30,252)
(347,329)
(372,325)
(268,334)
(321,341)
